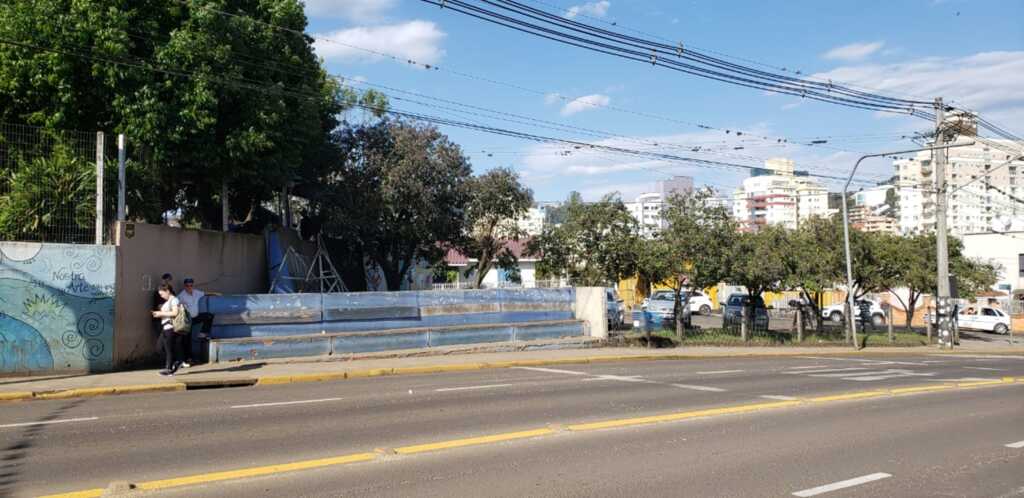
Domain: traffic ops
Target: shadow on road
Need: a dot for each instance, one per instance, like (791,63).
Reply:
(14,455)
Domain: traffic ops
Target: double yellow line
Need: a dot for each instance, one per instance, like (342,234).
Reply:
(250,472)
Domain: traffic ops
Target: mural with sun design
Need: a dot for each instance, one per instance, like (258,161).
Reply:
(56,307)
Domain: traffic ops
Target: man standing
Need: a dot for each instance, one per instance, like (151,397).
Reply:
(189,298)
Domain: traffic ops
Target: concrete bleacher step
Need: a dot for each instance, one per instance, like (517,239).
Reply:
(323,344)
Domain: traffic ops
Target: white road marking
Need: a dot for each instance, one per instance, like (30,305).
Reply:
(552,370)
(981,356)
(713,372)
(778,397)
(48,422)
(864,361)
(1018,444)
(987,368)
(826,370)
(876,375)
(471,388)
(849,483)
(807,367)
(699,388)
(284,403)
(620,378)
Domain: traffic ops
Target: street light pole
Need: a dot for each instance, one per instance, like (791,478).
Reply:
(846,227)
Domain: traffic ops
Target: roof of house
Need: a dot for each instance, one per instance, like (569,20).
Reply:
(454,257)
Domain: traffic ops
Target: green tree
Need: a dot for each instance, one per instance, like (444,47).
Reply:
(205,98)
(693,249)
(914,270)
(597,244)
(396,196)
(815,259)
(495,203)
(759,261)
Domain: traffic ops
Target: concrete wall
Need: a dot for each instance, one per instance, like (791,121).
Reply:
(592,308)
(220,262)
(56,307)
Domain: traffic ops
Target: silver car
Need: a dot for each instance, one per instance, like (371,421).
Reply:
(661,305)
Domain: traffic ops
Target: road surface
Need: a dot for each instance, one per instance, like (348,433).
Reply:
(955,442)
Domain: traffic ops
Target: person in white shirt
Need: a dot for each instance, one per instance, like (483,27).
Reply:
(190,297)
(169,342)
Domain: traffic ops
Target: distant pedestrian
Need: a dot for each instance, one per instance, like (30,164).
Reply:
(864,308)
(189,298)
(169,342)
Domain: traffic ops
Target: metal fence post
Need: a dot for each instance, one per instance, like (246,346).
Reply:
(800,324)
(888,321)
(121,177)
(99,187)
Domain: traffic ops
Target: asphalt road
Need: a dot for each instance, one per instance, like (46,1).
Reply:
(948,443)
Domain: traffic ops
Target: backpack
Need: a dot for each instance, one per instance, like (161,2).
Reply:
(182,322)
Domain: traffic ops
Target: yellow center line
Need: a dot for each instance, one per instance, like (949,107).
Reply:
(472,441)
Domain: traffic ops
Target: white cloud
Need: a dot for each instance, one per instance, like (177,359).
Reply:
(593,9)
(416,40)
(355,10)
(585,103)
(552,98)
(987,81)
(854,51)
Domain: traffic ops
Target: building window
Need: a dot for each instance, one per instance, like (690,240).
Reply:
(1020,265)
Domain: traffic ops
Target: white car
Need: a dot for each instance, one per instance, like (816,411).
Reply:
(986,319)
(700,304)
(835,312)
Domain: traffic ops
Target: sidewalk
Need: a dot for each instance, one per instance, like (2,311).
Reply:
(271,372)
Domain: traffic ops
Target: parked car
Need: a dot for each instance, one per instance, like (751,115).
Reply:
(616,309)
(732,312)
(836,311)
(985,318)
(661,305)
(700,304)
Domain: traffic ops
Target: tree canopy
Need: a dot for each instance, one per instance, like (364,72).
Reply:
(496,200)
(204,97)
(595,246)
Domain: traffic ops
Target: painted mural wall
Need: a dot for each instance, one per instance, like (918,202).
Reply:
(56,307)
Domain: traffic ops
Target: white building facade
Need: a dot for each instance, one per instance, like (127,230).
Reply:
(647,208)
(779,197)
(985,187)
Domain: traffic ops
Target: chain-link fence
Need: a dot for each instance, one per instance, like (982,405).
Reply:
(48,187)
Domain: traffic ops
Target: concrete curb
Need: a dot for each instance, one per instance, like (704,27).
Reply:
(271,380)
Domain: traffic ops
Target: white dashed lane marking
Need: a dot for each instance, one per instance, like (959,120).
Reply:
(713,372)
(849,483)
(1017,445)
(48,422)
(287,403)
(471,388)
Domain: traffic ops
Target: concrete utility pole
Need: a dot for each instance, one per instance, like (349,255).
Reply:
(942,305)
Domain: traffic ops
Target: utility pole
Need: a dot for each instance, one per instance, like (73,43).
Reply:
(942,305)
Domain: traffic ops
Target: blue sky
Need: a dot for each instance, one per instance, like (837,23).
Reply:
(968,51)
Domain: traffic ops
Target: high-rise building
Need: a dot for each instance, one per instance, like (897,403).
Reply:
(984,185)
(647,208)
(776,195)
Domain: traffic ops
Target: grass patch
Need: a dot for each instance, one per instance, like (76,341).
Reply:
(725,337)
